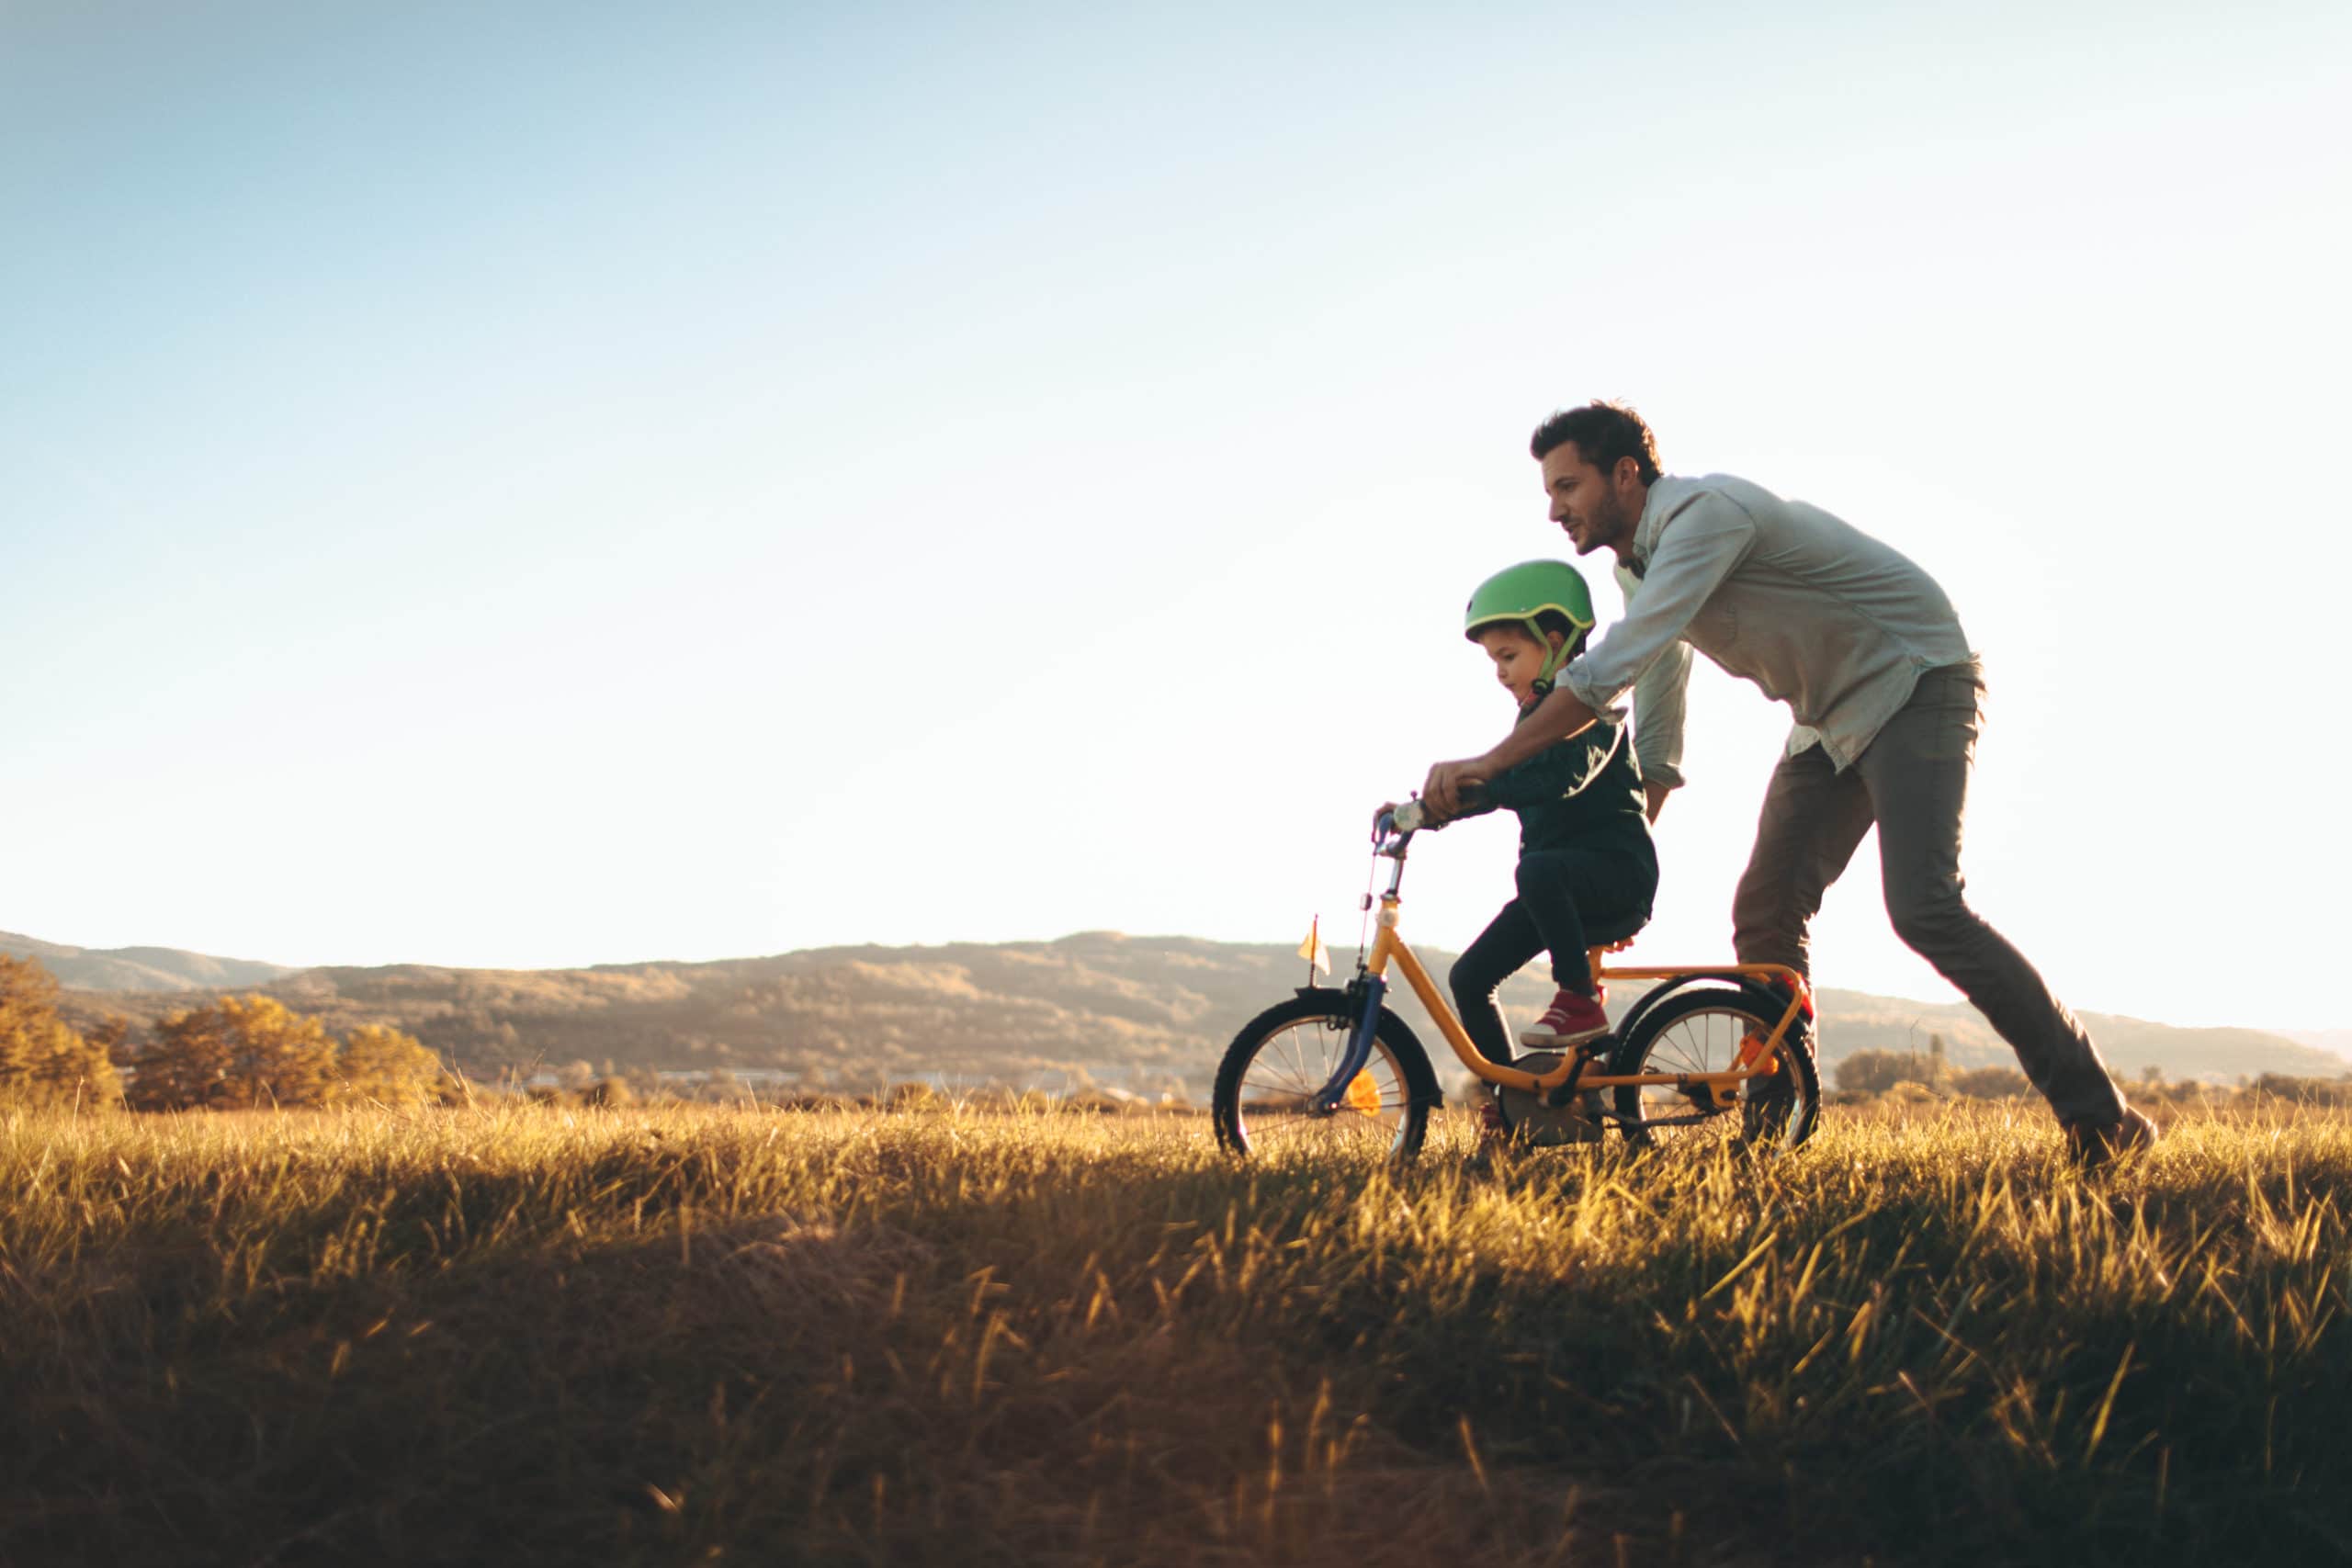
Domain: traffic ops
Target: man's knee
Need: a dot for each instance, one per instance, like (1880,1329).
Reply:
(1753,907)
(1931,920)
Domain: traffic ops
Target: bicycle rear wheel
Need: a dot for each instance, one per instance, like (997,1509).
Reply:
(1263,1104)
(1702,1032)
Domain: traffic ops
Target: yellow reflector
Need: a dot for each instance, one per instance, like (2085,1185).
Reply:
(1364,1095)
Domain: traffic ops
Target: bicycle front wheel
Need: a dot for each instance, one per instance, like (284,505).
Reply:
(1702,1032)
(1265,1089)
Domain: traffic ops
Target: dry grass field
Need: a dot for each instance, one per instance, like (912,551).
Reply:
(525,1335)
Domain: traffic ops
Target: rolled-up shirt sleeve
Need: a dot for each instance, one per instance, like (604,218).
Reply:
(1696,548)
(1659,704)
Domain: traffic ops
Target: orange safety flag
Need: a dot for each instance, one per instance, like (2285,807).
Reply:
(1313,950)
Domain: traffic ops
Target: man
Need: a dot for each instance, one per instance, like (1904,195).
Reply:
(1866,650)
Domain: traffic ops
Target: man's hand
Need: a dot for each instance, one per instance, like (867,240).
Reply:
(1555,718)
(1442,790)
(1656,793)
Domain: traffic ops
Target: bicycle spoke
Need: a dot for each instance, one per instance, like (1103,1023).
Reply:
(1291,1081)
(1317,1046)
(1304,1053)
(1706,1037)
(1269,1088)
(1290,1045)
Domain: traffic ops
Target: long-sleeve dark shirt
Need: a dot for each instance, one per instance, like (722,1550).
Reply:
(1585,790)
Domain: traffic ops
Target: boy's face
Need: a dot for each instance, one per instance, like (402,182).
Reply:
(1519,659)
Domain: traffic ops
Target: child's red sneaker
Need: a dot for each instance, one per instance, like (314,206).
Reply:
(1571,1018)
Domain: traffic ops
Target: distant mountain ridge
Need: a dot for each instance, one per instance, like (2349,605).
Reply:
(2336,1040)
(1147,1013)
(140,968)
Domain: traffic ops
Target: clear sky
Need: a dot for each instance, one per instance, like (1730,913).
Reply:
(543,484)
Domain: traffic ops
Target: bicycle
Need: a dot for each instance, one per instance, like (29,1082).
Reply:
(1715,1052)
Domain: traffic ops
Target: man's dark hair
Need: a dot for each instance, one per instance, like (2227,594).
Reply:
(1603,432)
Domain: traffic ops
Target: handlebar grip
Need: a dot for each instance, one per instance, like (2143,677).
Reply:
(1407,817)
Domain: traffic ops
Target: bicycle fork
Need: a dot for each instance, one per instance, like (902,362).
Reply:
(1371,988)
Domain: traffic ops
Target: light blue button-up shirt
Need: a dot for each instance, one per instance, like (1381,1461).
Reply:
(1816,612)
(1659,700)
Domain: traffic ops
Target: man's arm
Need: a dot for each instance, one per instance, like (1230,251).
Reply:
(1659,706)
(1555,718)
(1696,550)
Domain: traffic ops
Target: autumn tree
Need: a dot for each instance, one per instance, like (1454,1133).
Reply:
(43,1060)
(236,1053)
(610,1092)
(111,1036)
(1875,1072)
(1992,1083)
(384,1066)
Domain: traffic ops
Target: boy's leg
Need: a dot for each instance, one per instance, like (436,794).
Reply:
(1557,887)
(1813,817)
(1547,893)
(1917,770)
(1501,950)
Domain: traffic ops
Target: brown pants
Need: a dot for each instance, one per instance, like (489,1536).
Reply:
(1913,781)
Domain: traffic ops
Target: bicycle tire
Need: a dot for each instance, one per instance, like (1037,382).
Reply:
(1701,1030)
(1286,1054)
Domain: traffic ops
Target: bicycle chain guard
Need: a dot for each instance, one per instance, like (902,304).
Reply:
(1544,1126)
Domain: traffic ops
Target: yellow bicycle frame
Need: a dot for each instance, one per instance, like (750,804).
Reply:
(1756,1057)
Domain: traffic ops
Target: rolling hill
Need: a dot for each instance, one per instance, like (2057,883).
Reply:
(1149,1013)
(2339,1040)
(139,968)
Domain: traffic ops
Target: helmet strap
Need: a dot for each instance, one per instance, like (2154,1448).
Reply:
(1552,658)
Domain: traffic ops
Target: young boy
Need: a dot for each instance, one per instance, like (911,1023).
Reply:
(1585,858)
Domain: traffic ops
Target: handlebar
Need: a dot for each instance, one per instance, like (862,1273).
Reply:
(1392,828)
(1404,821)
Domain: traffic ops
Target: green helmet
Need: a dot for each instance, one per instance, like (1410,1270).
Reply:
(1517,594)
